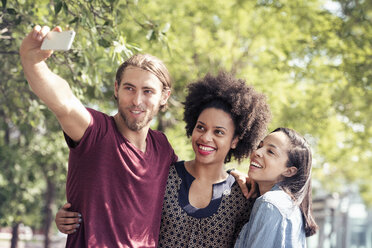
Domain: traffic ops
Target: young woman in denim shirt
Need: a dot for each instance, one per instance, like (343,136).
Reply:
(282,215)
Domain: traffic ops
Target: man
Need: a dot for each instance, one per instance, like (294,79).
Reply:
(118,166)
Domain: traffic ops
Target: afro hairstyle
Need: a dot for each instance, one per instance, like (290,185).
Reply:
(248,109)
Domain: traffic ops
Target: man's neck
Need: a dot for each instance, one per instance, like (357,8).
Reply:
(137,138)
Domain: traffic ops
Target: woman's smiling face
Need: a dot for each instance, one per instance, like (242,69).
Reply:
(213,136)
(269,160)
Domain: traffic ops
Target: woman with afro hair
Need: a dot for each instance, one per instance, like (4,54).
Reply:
(203,205)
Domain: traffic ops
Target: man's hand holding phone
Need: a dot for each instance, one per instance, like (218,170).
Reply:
(30,50)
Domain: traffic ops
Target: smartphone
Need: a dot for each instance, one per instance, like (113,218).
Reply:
(58,41)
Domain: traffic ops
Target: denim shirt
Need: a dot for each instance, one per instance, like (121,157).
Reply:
(275,222)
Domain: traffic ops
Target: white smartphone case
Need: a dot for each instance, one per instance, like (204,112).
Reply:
(58,41)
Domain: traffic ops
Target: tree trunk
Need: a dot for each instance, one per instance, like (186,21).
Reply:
(15,230)
(50,195)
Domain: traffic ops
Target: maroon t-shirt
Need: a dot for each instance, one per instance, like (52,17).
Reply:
(117,188)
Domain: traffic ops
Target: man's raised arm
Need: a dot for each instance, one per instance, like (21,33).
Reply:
(53,90)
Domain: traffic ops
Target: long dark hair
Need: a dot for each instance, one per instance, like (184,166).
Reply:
(299,185)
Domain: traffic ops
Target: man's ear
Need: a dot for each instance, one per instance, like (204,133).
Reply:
(234,143)
(290,171)
(164,97)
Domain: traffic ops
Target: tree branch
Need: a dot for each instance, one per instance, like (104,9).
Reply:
(9,52)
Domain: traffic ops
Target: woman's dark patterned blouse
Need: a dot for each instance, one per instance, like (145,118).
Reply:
(217,225)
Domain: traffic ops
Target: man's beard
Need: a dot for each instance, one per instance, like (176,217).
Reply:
(136,125)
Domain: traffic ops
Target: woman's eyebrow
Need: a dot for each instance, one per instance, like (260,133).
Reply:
(220,127)
(273,146)
(215,126)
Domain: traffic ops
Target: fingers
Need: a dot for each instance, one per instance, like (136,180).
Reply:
(30,48)
(65,213)
(68,214)
(57,29)
(68,229)
(244,188)
(36,31)
(253,188)
(66,206)
(68,225)
(250,192)
(241,179)
(39,33)
(67,221)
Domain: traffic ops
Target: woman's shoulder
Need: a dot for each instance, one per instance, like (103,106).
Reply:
(176,167)
(278,199)
(178,171)
(275,195)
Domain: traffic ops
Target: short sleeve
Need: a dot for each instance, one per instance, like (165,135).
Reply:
(97,128)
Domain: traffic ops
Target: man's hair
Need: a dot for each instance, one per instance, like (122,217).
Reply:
(247,108)
(148,63)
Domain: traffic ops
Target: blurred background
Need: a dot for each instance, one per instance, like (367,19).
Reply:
(312,59)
